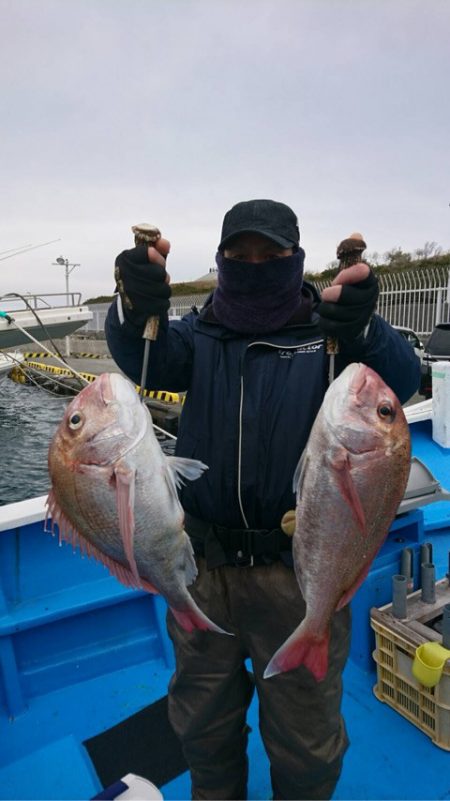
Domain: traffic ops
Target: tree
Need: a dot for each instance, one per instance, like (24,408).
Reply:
(429,250)
(373,259)
(396,258)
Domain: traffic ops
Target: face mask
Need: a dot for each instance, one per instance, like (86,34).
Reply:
(258,298)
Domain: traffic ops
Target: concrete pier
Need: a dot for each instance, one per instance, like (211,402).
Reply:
(42,369)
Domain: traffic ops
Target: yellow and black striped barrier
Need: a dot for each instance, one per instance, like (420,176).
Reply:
(89,356)
(35,355)
(162,395)
(53,369)
(45,355)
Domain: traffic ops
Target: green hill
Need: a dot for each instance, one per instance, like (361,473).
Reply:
(396,261)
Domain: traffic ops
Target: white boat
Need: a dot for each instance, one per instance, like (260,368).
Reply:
(40,316)
(7,362)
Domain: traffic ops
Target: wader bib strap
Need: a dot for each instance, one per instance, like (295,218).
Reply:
(240,547)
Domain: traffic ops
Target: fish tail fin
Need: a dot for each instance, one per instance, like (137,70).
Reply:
(192,618)
(303,647)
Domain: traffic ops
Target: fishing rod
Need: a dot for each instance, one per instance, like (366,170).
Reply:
(78,375)
(348,252)
(27,248)
(22,247)
(11,321)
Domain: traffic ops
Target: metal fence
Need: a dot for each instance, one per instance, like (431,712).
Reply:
(417,300)
(99,312)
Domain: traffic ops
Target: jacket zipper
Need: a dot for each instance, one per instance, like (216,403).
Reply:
(241,407)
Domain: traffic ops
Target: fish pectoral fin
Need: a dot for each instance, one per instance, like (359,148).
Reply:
(180,468)
(125,486)
(299,474)
(346,486)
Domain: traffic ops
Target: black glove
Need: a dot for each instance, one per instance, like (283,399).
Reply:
(347,318)
(141,285)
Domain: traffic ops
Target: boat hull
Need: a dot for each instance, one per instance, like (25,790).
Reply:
(80,654)
(58,322)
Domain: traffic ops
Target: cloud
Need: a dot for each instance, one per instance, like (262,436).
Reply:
(170,111)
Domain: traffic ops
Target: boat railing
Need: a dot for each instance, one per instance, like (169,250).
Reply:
(50,300)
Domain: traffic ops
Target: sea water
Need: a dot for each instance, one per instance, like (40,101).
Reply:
(29,417)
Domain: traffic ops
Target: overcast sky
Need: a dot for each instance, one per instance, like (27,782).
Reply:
(115,112)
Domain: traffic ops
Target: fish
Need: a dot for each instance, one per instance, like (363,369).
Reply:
(349,482)
(114,495)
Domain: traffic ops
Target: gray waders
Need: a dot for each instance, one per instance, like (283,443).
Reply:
(300,719)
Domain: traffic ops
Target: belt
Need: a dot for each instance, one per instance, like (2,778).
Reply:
(234,546)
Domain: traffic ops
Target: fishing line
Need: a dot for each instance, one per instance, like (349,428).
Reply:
(163,431)
(26,248)
(40,386)
(61,360)
(28,305)
(60,383)
(41,345)
(22,247)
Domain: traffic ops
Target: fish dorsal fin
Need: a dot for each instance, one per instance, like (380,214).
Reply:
(125,487)
(299,474)
(180,468)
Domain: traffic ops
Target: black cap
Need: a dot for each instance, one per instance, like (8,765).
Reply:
(268,217)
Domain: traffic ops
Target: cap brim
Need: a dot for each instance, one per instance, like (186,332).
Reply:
(280,240)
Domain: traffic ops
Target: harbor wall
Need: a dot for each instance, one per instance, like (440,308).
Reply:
(86,346)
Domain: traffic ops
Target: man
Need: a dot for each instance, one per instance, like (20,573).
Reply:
(255,366)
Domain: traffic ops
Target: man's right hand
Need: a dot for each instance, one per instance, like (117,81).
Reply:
(142,281)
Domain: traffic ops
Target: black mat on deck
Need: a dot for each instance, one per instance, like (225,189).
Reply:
(144,744)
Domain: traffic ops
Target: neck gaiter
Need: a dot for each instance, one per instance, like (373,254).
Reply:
(258,298)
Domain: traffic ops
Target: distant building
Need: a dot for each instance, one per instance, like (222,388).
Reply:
(182,304)
(210,276)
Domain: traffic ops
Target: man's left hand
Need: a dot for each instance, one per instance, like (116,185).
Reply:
(348,304)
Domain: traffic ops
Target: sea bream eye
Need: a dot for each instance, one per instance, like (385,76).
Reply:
(385,410)
(75,421)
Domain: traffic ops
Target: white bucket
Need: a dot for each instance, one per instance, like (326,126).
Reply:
(139,789)
(440,378)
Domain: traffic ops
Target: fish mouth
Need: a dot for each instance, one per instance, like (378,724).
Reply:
(365,390)
(131,417)
(103,385)
(113,387)
(359,379)
(367,385)
(363,382)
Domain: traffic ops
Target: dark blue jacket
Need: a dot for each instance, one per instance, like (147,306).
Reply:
(251,402)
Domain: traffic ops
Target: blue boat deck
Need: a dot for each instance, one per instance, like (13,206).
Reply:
(388,758)
(79,653)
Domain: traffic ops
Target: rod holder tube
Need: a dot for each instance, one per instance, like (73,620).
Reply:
(446,626)
(399,591)
(426,553)
(406,567)
(428,583)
